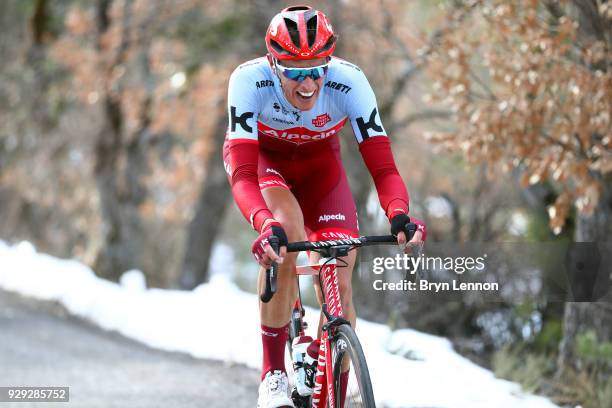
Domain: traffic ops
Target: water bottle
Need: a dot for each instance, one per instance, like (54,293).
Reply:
(301,360)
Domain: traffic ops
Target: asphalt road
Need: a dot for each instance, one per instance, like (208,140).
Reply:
(41,345)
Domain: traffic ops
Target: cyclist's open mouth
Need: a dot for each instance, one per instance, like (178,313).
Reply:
(305,95)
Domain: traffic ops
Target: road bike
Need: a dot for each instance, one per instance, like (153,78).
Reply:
(340,348)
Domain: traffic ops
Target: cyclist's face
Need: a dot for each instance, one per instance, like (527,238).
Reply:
(303,95)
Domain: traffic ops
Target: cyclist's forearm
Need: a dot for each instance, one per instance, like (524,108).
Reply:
(392,192)
(255,212)
(243,159)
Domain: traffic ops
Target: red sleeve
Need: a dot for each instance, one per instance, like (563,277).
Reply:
(242,155)
(392,193)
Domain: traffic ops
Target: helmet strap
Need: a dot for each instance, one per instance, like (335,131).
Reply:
(270,60)
(273,64)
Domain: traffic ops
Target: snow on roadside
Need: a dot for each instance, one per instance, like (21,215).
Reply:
(219,321)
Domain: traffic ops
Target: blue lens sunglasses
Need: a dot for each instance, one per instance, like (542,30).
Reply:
(300,74)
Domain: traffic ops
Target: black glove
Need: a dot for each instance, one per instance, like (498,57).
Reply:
(401,222)
(279,232)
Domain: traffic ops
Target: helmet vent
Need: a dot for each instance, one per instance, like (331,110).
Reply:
(279,49)
(311,28)
(297,8)
(330,42)
(292,27)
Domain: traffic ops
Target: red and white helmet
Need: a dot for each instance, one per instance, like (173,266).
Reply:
(300,32)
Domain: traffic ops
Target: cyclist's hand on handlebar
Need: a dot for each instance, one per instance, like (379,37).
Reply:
(400,228)
(263,252)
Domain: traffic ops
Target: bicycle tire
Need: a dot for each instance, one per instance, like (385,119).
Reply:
(352,346)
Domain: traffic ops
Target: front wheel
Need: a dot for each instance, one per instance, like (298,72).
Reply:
(347,353)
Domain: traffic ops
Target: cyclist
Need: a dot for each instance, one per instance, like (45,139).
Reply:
(282,156)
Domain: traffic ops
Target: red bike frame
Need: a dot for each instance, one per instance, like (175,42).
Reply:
(332,308)
(324,387)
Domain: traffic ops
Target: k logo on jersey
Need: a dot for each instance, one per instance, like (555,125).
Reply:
(370,124)
(240,120)
(321,120)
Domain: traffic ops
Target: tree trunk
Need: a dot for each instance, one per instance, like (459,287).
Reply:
(589,316)
(121,189)
(215,194)
(107,150)
(212,204)
(592,276)
(36,59)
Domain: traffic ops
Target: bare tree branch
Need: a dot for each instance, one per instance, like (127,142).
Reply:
(421,116)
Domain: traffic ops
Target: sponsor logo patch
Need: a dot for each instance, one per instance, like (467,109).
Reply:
(263,83)
(336,235)
(338,86)
(299,135)
(269,334)
(321,120)
(286,122)
(240,120)
(370,124)
(329,217)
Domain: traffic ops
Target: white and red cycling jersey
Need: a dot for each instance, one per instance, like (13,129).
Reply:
(271,143)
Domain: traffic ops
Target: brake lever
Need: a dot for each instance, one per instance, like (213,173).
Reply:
(412,229)
(271,273)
